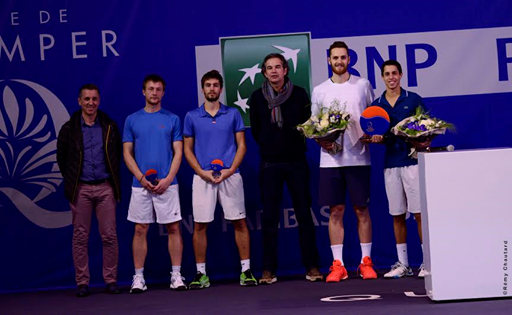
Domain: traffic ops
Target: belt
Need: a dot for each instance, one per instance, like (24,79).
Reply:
(94,182)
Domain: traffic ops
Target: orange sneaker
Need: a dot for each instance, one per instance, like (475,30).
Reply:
(337,272)
(365,269)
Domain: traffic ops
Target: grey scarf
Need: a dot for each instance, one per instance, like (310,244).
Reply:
(275,101)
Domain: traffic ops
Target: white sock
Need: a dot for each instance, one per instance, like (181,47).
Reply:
(246,264)
(402,254)
(337,252)
(201,268)
(366,250)
(139,272)
(176,269)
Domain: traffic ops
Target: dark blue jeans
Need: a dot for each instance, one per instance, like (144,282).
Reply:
(273,177)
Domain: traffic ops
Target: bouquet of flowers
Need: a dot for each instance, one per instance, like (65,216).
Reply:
(327,125)
(420,129)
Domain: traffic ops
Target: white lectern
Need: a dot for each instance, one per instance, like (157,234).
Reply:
(466,206)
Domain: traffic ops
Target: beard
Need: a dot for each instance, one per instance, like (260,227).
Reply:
(339,71)
(212,98)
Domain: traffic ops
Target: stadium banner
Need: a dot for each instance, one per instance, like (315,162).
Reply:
(461,66)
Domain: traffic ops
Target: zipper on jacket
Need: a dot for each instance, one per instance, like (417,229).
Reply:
(78,175)
(109,163)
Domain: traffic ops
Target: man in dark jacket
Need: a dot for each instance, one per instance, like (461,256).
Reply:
(88,153)
(276,109)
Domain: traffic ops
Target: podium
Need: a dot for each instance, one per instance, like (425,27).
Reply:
(466,207)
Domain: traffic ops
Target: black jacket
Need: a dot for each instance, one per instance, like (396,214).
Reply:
(286,144)
(70,152)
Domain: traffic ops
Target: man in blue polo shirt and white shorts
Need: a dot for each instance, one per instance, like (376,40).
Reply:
(400,170)
(216,132)
(152,140)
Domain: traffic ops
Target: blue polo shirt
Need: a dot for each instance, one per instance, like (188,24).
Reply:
(397,150)
(214,136)
(153,135)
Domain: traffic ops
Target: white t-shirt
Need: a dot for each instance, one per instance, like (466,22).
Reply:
(353,96)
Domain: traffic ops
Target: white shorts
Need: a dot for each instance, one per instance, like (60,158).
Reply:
(166,206)
(230,193)
(403,189)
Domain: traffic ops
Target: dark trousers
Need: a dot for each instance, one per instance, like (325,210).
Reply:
(100,198)
(273,176)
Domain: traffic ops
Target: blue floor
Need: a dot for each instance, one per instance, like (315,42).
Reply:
(287,296)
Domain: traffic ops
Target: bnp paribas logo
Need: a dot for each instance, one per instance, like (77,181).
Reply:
(242,59)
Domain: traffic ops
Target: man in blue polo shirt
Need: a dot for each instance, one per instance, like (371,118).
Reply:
(401,170)
(216,132)
(152,140)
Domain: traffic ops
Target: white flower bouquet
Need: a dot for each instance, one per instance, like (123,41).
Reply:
(420,129)
(327,125)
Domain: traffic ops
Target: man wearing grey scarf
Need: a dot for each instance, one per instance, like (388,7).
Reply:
(275,111)
(275,98)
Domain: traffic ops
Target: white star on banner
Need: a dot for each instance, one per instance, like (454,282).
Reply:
(241,102)
(289,53)
(250,73)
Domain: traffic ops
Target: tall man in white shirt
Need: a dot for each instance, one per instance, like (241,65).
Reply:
(349,169)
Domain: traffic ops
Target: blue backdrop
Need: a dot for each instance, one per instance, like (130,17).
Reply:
(48,49)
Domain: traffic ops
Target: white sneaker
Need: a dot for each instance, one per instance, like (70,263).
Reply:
(399,270)
(421,271)
(138,284)
(177,282)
